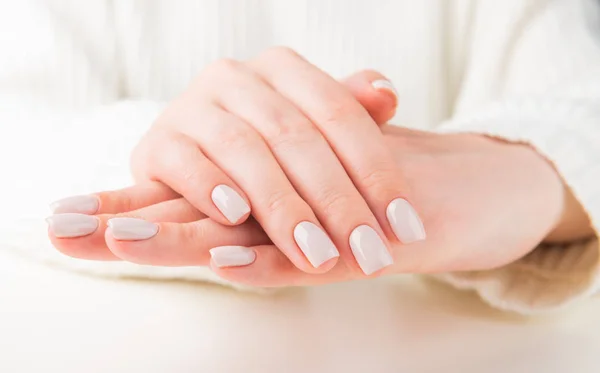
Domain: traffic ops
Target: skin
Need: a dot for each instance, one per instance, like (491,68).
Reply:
(276,129)
(484,202)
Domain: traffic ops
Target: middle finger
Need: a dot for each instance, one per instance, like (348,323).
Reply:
(312,167)
(352,134)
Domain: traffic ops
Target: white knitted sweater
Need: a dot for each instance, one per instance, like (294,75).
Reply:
(81,80)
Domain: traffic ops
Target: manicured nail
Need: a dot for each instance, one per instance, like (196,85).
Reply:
(369,250)
(385,85)
(131,229)
(232,256)
(77,204)
(230,203)
(405,221)
(314,243)
(72,225)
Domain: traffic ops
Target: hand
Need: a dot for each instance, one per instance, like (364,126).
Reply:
(360,94)
(486,203)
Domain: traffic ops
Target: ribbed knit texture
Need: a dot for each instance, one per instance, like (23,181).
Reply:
(98,71)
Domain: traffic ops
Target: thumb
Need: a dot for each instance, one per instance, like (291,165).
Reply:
(375,92)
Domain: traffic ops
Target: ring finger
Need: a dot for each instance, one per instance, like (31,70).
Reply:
(236,148)
(313,169)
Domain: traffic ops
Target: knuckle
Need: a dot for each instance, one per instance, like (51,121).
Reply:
(380,180)
(341,112)
(192,233)
(142,155)
(294,135)
(190,177)
(236,137)
(116,201)
(146,159)
(333,202)
(179,164)
(280,201)
(174,154)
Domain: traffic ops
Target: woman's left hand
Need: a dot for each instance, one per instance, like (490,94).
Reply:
(485,203)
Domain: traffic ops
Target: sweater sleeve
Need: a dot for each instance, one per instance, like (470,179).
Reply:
(533,76)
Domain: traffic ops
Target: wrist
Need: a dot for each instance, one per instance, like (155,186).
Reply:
(574,223)
(571,223)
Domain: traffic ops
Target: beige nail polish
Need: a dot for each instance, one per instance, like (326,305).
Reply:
(86,204)
(230,203)
(132,229)
(386,85)
(232,256)
(72,225)
(405,221)
(369,249)
(314,243)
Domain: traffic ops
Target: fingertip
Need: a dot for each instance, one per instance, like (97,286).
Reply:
(317,253)
(232,205)
(131,229)
(90,247)
(81,204)
(232,256)
(376,93)
(72,225)
(127,249)
(387,95)
(385,86)
(250,266)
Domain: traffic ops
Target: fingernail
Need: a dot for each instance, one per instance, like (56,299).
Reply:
(405,221)
(232,256)
(314,243)
(369,250)
(385,85)
(131,229)
(230,203)
(71,225)
(77,204)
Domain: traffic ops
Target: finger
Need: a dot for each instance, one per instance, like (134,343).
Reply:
(346,126)
(266,266)
(242,154)
(115,201)
(312,167)
(172,244)
(82,236)
(182,165)
(375,93)
(246,265)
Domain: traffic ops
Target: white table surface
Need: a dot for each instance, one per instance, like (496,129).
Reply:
(52,320)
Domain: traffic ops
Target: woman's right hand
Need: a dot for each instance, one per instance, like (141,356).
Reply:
(283,137)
